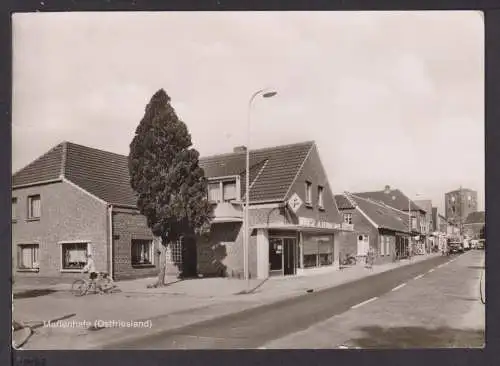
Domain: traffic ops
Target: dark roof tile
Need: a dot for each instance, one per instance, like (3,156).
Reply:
(393,197)
(106,175)
(46,167)
(477,217)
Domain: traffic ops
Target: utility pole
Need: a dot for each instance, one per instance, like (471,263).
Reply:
(461,202)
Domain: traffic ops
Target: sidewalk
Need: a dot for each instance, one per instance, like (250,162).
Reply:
(179,304)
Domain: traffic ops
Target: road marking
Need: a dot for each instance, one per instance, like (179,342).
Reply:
(364,302)
(398,287)
(431,270)
(418,277)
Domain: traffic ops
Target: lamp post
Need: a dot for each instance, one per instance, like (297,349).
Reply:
(265,94)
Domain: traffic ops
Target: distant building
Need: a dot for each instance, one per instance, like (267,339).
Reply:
(473,224)
(459,204)
(378,226)
(398,200)
(428,224)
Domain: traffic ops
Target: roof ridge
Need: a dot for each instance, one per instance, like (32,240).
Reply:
(382,204)
(310,142)
(69,143)
(349,198)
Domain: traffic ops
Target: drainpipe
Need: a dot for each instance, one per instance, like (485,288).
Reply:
(110,222)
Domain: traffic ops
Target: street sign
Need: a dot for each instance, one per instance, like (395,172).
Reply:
(295,202)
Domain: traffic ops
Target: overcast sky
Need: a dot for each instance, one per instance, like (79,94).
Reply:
(390,98)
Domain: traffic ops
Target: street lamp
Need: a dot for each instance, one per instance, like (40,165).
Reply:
(265,94)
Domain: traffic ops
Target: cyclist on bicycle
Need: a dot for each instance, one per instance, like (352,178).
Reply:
(93,274)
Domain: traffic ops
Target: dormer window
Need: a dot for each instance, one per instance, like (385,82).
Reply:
(223,190)
(214,192)
(229,190)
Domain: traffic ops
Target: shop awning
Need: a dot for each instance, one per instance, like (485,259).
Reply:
(293,227)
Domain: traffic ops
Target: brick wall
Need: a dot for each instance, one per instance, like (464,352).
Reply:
(221,252)
(67,214)
(313,172)
(129,225)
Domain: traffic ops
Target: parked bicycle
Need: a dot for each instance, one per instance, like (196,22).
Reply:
(103,284)
(349,260)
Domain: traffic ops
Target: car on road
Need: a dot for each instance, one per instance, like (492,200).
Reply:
(480,244)
(455,247)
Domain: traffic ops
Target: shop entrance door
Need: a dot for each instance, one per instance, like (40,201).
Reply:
(282,256)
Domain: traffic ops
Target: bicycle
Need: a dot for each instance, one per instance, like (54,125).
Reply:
(82,286)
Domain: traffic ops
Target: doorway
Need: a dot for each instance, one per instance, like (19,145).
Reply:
(282,256)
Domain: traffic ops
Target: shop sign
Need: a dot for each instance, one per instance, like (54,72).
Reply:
(322,238)
(306,221)
(295,202)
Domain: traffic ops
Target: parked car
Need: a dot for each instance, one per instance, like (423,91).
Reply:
(455,247)
(480,244)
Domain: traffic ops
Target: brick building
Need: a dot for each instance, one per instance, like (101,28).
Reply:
(75,200)
(379,226)
(398,200)
(294,221)
(459,204)
(473,225)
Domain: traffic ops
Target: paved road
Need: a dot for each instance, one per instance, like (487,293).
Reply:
(439,310)
(256,327)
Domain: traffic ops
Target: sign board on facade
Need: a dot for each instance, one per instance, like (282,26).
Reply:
(294,202)
(309,222)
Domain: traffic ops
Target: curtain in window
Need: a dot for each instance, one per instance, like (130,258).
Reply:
(35,207)
(27,257)
(214,192)
(77,255)
(382,245)
(229,190)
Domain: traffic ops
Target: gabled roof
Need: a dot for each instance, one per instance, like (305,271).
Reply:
(343,202)
(391,197)
(47,167)
(101,173)
(384,216)
(477,217)
(273,170)
(105,174)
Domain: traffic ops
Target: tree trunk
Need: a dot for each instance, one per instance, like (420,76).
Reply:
(163,265)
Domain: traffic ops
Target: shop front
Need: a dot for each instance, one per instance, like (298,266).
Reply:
(294,249)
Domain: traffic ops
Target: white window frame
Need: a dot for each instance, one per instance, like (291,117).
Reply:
(321,190)
(235,190)
(61,256)
(30,213)
(308,194)
(387,245)
(347,216)
(34,268)
(220,181)
(151,252)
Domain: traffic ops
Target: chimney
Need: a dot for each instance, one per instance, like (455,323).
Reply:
(240,149)
(387,189)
